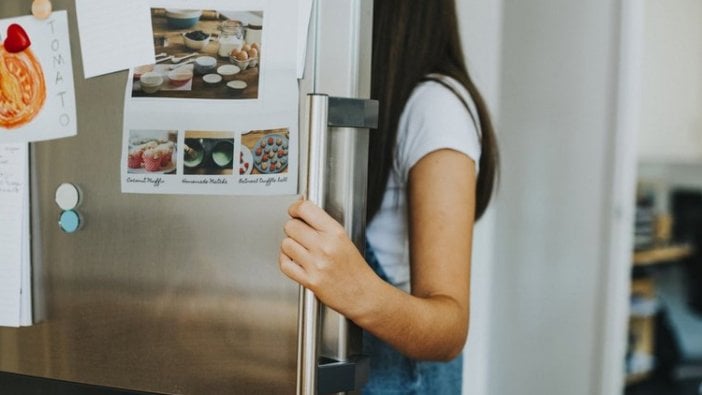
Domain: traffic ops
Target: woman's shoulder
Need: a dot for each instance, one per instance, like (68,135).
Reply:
(435,117)
(438,100)
(440,95)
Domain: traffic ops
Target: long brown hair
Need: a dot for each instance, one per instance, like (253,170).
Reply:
(413,38)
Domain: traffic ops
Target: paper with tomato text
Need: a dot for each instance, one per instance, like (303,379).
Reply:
(37,95)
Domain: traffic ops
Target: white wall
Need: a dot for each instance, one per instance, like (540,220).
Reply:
(480,23)
(556,121)
(671,101)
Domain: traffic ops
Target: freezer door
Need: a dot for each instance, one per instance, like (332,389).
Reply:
(163,293)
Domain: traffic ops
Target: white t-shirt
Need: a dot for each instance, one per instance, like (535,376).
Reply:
(434,118)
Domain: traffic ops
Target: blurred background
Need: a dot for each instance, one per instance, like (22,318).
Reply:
(587,274)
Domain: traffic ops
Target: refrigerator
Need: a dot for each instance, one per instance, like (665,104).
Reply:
(180,294)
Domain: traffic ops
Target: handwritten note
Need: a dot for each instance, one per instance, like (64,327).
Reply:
(14,235)
(114,35)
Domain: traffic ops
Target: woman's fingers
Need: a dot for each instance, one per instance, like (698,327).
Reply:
(313,215)
(291,269)
(299,231)
(295,251)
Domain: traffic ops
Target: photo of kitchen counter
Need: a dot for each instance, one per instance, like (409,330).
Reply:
(202,54)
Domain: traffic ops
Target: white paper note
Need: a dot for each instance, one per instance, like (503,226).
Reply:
(26,306)
(13,183)
(304,16)
(114,35)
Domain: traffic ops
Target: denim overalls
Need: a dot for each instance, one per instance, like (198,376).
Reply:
(391,373)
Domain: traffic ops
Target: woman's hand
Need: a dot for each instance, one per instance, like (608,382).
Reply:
(319,255)
(431,322)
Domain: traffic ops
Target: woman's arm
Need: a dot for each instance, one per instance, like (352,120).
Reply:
(432,322)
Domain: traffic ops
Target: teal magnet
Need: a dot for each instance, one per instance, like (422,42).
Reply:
(69,221)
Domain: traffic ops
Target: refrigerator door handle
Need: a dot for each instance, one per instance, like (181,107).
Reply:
(324,111)
(308,318)
(352,113)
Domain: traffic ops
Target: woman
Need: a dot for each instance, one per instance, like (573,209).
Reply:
(432,166)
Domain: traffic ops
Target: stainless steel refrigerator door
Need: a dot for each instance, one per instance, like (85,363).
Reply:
(342,69)
(171,294)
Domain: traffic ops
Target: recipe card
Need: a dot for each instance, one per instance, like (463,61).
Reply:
(217,113)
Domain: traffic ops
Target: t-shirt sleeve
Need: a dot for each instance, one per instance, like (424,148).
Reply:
(433,119)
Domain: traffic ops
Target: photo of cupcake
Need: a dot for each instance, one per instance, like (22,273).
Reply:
(166,150)
(135,159)
(152,151)
(152,159)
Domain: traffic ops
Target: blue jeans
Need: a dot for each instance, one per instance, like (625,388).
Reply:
(391,373)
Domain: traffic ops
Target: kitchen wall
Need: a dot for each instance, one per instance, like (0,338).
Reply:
(671,103)
(557,117)
(670,109)
(481,30)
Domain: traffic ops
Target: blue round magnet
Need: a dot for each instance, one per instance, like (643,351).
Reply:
(69,221)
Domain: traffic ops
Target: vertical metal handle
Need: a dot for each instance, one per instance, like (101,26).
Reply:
(308,314)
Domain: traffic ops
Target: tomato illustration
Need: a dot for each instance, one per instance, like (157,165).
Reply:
(22,85)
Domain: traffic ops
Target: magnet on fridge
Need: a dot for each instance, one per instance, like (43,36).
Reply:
(41,9)
(69,221)
(67,196)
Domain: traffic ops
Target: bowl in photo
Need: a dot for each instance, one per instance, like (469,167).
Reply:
(212,79)
(180,76)
(245,161)
(240,58)
(228,71)
(242,64)
(194,153)
(223,153)
(141,70)
(236,86)
(205,64)
(151,82)
(196,40)
(182,19)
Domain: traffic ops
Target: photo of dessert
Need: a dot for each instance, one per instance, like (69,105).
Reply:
(208,153)
(202,54)
(152,151)
(268,151)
